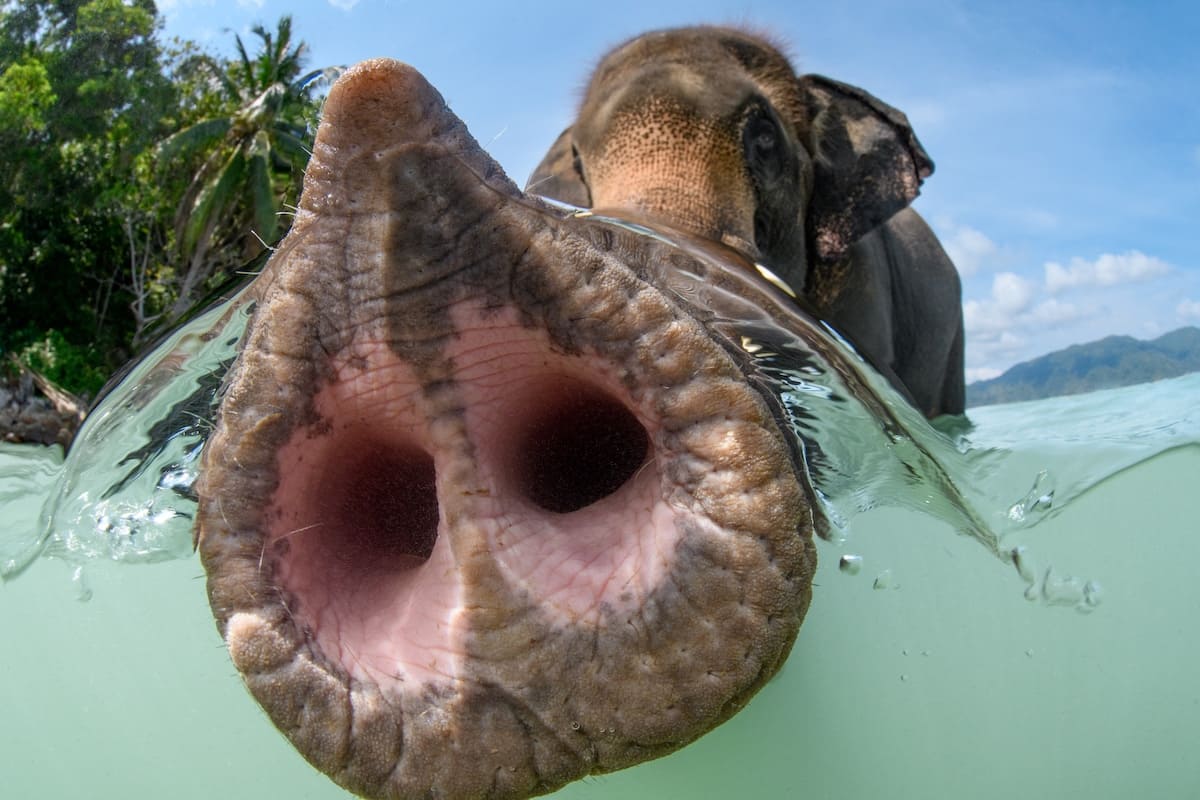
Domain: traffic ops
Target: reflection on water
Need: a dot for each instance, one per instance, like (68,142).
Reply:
(125,490)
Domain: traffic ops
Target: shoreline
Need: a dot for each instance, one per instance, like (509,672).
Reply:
(33,410)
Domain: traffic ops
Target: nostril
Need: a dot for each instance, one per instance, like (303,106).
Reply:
(579,446)
(385,503)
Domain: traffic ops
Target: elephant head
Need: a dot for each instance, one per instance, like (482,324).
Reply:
(711,130)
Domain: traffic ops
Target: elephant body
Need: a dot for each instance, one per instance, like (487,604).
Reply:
(711,130)
(897,298)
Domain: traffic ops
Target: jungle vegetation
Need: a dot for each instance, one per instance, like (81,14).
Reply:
(138,175)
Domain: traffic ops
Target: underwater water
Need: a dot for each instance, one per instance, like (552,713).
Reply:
(1001,611)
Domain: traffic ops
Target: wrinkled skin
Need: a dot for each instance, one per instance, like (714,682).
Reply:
(711,130)
(486,510)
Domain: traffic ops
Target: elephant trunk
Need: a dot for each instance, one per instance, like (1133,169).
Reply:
(485,511)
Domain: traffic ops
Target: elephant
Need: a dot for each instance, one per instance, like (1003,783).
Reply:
(495,499)
(711,130)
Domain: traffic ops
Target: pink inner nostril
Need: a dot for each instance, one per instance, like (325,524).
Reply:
(385,500)
(580,447)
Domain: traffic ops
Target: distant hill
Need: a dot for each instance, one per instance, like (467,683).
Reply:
(1106,364)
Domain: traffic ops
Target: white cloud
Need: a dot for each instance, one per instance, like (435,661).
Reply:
(1107,270)
(1011,293)
(344,5)
(1054,312)
(251,3)
(982,374)
(968,248)
(1188,310)
(994,318)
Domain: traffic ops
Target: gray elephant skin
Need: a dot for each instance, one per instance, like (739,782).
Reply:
(487,507)
(712,130)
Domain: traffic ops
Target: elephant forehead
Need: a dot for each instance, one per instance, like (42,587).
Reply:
(713,89)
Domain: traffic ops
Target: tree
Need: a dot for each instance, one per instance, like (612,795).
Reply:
(82,95)
(134,176)
(251,156)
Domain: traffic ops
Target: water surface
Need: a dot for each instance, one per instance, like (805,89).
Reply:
(998,611)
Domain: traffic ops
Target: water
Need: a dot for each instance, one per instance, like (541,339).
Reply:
(1000,611)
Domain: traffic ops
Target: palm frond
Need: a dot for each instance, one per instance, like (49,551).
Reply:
(294,149)
(318,78)
(246,64)
(214,199)
(185,143)
(264,221)
(214,70)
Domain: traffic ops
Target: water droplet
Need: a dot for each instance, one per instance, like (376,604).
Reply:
(1029,653)
(575,726)
(83,592)
(850,564)
(1038,500)
(884,580)
(904,678)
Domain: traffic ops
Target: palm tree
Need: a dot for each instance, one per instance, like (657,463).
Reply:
(256,154)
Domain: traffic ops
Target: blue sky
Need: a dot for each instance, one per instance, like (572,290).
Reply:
(1066,134)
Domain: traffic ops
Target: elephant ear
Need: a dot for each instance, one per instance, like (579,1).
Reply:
(867,164)
(558,176)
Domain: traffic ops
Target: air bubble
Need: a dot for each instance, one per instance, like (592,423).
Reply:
(850,564)
(1092,595)
(1062,590)
(884,580)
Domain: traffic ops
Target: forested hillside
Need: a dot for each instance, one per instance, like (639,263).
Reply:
(1106,364)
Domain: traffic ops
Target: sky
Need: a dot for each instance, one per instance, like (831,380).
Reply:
(1066,135)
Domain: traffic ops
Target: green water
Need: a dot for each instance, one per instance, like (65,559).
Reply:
(947,682)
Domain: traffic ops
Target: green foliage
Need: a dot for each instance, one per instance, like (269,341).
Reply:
(135,175)
(25,96)
(73,367)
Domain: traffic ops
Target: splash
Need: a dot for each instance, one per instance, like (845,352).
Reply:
(124,491)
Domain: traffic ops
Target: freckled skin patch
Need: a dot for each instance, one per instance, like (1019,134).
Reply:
(407,589)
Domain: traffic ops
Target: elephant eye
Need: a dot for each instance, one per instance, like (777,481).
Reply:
(763,143)
(762,135)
